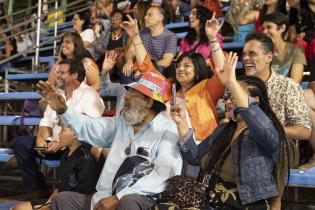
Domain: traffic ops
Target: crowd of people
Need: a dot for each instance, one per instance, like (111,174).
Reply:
(167,125)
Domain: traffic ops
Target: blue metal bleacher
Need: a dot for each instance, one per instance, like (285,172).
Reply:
(5,154)
(183,24)
(51,163)
(47,59)
(5,157)
(225,9)
(304,85)
(34,76)
(19,96)
(181,35)
(302,178)
(233,45)
(177,25)
(16,120)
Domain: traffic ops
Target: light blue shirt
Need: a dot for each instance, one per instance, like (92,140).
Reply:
(160,137)
(110,88)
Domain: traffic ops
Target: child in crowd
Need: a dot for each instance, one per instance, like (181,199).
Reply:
(78,172)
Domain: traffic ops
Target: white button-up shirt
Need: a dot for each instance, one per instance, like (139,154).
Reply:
(84,100)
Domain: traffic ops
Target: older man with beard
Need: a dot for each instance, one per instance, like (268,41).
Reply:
(141,130)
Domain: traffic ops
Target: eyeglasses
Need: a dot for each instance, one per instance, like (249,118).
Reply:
(116,18)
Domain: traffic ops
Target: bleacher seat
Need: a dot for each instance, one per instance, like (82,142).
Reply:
(51,163)
(5,157)
(302,178)
(16,120)
(177,25)
(34,76)
(19,96)
(304,85)
(7,205)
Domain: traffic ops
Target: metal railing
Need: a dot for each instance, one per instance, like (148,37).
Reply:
(74,7)
(30,50)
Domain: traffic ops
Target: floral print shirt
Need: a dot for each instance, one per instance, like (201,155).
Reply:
(286,98)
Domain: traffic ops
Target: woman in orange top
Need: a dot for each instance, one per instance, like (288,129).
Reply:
(199,93)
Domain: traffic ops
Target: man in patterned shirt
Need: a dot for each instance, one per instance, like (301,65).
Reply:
(286,96)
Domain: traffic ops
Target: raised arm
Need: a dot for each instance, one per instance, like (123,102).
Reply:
(92,73)
(131,27)
(108,87)
(96,131)
(212,28)
(257,121)
(214,85)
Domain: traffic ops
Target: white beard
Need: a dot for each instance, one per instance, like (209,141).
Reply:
(134,115)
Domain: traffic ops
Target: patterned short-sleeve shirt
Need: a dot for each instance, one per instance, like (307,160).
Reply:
(287,101)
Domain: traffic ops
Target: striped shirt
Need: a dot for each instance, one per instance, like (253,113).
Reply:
(156,46)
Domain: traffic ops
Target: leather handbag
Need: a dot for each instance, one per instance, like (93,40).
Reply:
(185,192)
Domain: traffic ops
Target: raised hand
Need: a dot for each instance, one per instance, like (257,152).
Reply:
(227,74)
(212,27)
(127,69)
(131,27)
(52,96)
(54,146)
(88,65)
(178,114)
(109,61)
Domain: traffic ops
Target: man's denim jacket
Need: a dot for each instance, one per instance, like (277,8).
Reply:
(254,153)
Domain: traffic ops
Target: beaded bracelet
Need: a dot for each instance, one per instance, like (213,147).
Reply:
(216,50)
(214,41)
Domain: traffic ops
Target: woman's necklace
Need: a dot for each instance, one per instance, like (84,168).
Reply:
(116,36)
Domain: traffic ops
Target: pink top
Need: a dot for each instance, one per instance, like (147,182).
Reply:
(203,49)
